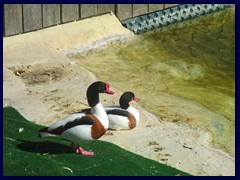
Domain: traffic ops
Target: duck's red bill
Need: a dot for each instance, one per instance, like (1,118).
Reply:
(108,91)
(136,99)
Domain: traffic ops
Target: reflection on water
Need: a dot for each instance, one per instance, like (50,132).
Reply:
(193,60)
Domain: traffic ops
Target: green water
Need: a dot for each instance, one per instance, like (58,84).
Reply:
(193,60)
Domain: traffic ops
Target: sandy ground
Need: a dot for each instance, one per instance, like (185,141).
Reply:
(44,85)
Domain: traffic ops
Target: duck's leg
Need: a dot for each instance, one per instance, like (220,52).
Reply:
(80,150)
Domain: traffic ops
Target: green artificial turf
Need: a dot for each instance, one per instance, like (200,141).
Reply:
(26,154)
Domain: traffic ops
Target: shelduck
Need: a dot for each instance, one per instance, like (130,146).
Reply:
(123,116)
(84,125)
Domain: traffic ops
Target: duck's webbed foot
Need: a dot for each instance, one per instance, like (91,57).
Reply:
(80,150)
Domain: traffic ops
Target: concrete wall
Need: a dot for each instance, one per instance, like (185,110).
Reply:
(21,18)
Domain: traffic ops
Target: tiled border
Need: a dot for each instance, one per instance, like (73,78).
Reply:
(171,15)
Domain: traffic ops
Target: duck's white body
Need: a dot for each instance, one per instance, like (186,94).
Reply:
(119,121)
(79,133)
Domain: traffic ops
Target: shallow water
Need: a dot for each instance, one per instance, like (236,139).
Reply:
(193,60)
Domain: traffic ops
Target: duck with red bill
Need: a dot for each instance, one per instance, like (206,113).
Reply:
(85,125)
(124,116)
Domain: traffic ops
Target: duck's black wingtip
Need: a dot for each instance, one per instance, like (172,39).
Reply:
(42,130)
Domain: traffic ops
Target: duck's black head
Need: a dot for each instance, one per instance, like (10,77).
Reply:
(93,92)
(126,98)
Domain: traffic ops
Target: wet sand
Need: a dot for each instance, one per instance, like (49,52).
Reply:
(44,86)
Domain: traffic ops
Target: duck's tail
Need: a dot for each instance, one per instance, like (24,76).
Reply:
(45,133)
